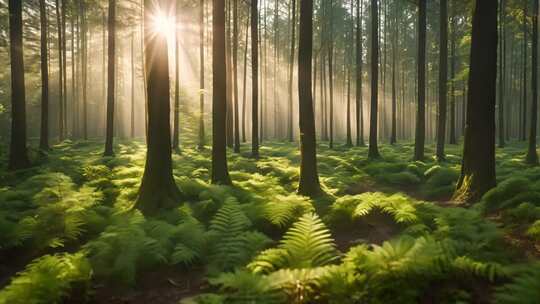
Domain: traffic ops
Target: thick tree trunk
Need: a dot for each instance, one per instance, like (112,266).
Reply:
(255,79)
(443,78)
(420,136)
(478,167)
(201,77)
(309,179)
(18,158)
(235,79)
(158,189)
(110,79)
(532,155)
(220,172)
(44,130)
(373,148)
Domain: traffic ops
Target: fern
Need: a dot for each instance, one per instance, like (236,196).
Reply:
(282,210)
(534,230)
(400,207)
(47,280)
(468,266)
(308,243)
(524,289)
(246,287)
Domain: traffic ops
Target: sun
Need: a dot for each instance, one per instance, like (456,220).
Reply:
(164,25)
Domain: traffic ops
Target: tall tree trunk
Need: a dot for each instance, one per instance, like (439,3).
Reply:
(393,136)
(201,76)
(502,77)
(331,72)
(255,79)
(82,12)
(104,67)
(478,167)
(110,79)
(359,93)
(18,158)
(349,53)
(228,56)
(60,74)
(64,67)
(290,133)
(420,136)
(158,189)
(525,59)
(373,148)
(532,155)
(453,139)
(176,118)
(235,79)
(244,93)
(132,55)
(220,172)
(44,134)
(443,78)
(309,179)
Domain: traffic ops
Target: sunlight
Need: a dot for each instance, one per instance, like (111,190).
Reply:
(164,25)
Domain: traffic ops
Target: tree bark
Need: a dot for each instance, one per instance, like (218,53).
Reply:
(44,130)
(82,12)
(111,24)
(290,133)
(359,93)
(18,157)
(158,189)
(373,151)
(202,140)
(532,155)
(478,166)
(220,172)
(502,76)
(132,118)
(453,140)
(443,78)
(420,136)
(60,74)
(309,179)
(244,93)
(235,79)
(255,78)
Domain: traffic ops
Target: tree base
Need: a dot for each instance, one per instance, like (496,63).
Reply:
(155,198)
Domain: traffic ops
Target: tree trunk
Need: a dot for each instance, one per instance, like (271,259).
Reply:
(229,73)
(244,93)
(359,93)
(158,189)
(373,148)
(44,134)
(502,76)
(443,74)
(132,55)
(309,179)
(453,139)
(82,12)
(420,136)
(220,172)
(255,79)
(532,155)
(201,80)
(331,73)
(235,79)
(478,166)
(393,136)
(525,51)
(60,74)
(290,133)
(176,118)
(110,79)
(18,158)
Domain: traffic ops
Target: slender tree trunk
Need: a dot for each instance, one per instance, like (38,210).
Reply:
(290,133)
(18,157)
(201,76)
(478,167)
(176,118)
(443,78)
(64,67)
(532,155)
(143,72)
(502,82)
(220,172)
(44,135)
(453,140)
(132,129)
(373,148)
(255,79)
(60,74)
(309,179)
(110,79)
(393,136)
(104,68)
(359,93)
(525,59)
(229,73)
(82,12)
(244,89)
(158,189)
(331,73)
(420,137)
(235,79)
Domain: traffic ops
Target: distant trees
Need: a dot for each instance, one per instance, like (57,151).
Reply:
(373,151)
(309,179)
(158,189)
(220,172)
(478,165)
(111,25)
(18,157)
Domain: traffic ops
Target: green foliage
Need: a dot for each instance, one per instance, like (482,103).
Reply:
(246,287)
(308,243)
(534,230)
(283,210)
(524,288)
(48,279)
(510,193)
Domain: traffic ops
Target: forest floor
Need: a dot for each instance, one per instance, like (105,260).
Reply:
(384,229)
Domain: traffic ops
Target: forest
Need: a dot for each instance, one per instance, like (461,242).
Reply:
(269,151)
